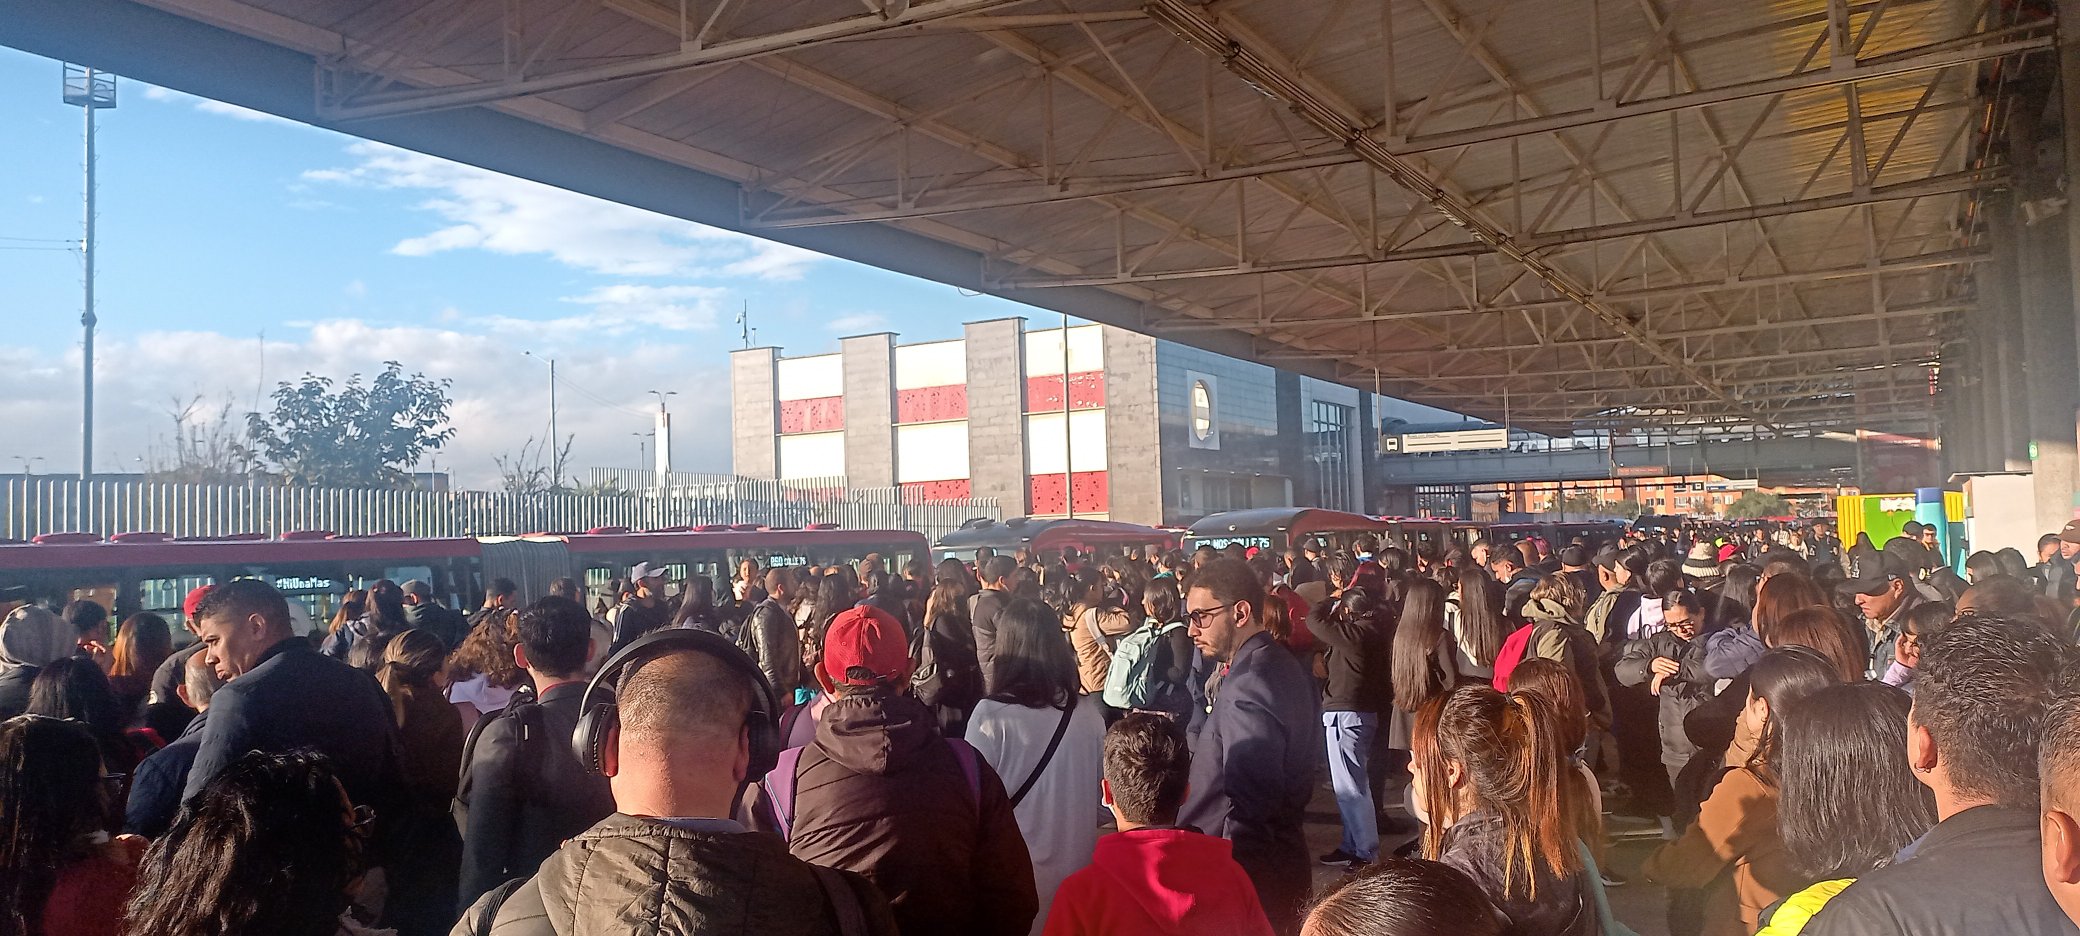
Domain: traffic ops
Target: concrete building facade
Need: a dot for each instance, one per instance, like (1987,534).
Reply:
(1094,421)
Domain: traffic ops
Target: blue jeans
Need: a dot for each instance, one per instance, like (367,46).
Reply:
(1349,736)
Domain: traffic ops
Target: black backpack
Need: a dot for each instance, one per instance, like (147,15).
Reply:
(534,734)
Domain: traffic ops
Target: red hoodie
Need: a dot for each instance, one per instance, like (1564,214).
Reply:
(1158,882)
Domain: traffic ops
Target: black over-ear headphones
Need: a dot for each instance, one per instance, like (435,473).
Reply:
(598,719)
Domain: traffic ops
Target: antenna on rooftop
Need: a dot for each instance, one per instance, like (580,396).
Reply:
(744,323)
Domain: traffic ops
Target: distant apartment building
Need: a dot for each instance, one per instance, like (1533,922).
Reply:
(1108,423)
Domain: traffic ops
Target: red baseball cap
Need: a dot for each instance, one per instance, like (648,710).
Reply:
(194,600)
(863,646)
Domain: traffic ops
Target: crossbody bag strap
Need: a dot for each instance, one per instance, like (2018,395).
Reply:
(1097,633)
(852,918)
(1061,728)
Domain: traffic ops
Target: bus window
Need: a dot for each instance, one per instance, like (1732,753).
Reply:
(163,596)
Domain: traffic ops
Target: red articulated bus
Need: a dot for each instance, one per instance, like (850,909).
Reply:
(133,572)
(1048,537)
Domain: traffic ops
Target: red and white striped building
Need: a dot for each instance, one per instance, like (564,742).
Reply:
(1139,429)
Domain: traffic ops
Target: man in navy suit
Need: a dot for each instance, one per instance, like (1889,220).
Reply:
(1253,758)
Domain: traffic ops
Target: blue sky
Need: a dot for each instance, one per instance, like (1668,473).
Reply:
(219,224)
(237,250)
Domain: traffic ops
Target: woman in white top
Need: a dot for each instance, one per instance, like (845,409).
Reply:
(1474,616)
(482,673)
(1036,698)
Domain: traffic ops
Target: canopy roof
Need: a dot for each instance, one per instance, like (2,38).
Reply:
(1570,213)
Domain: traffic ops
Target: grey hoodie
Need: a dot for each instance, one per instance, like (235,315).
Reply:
(30,638)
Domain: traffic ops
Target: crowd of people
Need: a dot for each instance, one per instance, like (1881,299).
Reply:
(1816,739)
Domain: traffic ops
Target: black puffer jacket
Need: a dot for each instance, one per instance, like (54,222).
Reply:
(882,794)
(1689,688)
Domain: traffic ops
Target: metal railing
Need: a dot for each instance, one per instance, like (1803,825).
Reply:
(34,506)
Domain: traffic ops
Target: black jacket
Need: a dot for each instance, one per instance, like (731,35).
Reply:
(298,698)
(442,621)
(1689,688)
(770,639)
(169,675)
(1562,907)
(1975,874)
(989,605)
(525,795)
(1354,654)
(14,689)
(155,786)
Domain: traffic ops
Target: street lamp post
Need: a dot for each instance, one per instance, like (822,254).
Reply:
(90,91)
(663,433)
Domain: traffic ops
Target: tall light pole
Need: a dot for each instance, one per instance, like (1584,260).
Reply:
(664,440)
(555,441)
(90,91)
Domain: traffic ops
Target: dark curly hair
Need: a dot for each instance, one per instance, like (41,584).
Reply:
(265,848)
(51,800)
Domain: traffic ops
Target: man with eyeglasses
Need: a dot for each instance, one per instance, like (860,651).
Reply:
(1254,757)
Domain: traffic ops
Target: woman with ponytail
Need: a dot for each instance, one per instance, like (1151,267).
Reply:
(1736,828)
(1492,778)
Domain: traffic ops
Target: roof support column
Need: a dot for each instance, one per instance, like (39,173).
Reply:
(2050,364)
(2065,382)
(1997,324)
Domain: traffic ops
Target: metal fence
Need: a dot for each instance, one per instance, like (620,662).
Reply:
(33,506)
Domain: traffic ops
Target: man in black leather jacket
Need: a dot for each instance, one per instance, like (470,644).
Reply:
(523,791)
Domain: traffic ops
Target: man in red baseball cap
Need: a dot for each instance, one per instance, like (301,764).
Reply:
(168,676)
(880,793)
(863,648)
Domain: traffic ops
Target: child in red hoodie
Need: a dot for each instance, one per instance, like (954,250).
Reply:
(1152,878)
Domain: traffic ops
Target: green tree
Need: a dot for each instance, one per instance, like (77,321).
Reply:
(360,435)
(1754,504)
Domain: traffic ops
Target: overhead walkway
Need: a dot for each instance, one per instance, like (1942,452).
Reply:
(1793,459)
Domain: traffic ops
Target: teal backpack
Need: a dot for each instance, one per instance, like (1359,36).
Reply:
(1131,682)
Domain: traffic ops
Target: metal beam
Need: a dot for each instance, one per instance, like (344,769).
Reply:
(1963,181)
(1957,52)
(423,100)
(805,216)
(1918,263)
(870,208)
(1197,28)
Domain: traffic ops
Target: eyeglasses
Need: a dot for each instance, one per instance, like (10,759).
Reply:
(364,820)
(1198,618)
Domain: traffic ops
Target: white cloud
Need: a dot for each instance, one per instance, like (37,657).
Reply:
(356,289)
(857,323)
(483,210)
(208,106)
(501,398)
(616,311)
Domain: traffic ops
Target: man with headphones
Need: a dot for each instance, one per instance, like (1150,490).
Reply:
(691,726)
